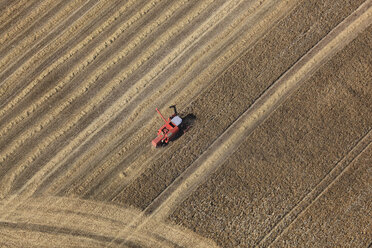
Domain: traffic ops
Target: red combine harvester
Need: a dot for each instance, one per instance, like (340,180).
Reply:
(169,130)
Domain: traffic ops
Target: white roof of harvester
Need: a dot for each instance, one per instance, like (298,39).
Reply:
(176,120)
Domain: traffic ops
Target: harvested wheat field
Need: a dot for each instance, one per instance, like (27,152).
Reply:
(279,149)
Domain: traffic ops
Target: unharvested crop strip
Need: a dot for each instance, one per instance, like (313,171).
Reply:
(15,53)
(45,37)
(101,95)
(228,142)
(89,58)
(71,204)
(328,180)
(152,4)
(61,203)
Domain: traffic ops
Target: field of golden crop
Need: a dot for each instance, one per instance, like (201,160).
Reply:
(279,153)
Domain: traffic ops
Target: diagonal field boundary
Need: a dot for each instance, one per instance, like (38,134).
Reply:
(317,191)
(230,140)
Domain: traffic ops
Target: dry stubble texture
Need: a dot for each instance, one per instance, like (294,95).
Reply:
(342,215)
(288,155)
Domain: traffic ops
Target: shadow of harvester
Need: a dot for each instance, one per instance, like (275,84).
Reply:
(174,127)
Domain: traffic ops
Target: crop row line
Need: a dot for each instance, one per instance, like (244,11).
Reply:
(89,129)
(46,213)
(123,127)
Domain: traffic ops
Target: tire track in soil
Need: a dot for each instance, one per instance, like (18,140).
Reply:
(128,31)
(38,228)
(107,88)
(109,187)
(317,191)
(225,145)
(81,90)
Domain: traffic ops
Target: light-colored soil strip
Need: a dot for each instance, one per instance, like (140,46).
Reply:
(227,143)
(317,191)
(77,166)
(193,89)
(119,180)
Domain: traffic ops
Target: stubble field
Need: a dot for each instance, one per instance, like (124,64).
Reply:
(278,155)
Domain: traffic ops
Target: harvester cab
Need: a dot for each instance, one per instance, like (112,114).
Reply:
(169,130)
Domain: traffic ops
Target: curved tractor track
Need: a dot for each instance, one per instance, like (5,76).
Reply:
(79,83)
